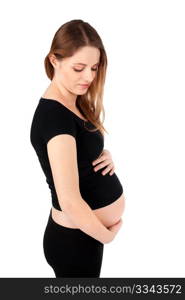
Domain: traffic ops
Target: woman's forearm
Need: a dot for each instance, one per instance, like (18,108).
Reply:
(83,217)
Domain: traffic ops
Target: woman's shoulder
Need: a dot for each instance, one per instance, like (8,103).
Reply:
(49,108)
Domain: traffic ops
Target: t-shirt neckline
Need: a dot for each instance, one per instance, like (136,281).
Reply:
(56,101)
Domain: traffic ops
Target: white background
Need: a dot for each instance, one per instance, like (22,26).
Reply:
(144,115)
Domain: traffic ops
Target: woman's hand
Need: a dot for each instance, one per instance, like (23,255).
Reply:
(105,159)
(114,230)
(115,227)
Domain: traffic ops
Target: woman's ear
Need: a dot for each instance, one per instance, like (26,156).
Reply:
(53,60)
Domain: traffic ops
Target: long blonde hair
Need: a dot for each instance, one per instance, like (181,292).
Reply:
(67,40)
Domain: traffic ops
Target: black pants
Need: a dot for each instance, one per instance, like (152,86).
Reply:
(71,252)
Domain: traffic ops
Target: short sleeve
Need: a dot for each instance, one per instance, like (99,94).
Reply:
(57,121)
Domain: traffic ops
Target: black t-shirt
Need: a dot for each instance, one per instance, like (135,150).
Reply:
(52,118)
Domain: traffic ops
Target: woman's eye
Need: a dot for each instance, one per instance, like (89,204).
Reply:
(76,70)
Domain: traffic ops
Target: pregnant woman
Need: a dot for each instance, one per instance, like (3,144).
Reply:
(68,137)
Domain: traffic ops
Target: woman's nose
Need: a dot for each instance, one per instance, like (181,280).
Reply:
(89,76)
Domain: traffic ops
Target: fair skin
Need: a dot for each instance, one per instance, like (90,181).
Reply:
(65,86)
(66,81)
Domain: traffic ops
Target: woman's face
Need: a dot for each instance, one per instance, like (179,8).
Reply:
(81,68)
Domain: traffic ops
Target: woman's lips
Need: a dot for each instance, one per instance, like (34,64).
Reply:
(84,85)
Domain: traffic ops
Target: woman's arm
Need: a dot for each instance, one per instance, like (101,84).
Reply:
(62,154)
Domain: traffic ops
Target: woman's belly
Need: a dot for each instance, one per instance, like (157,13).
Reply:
(108,215)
